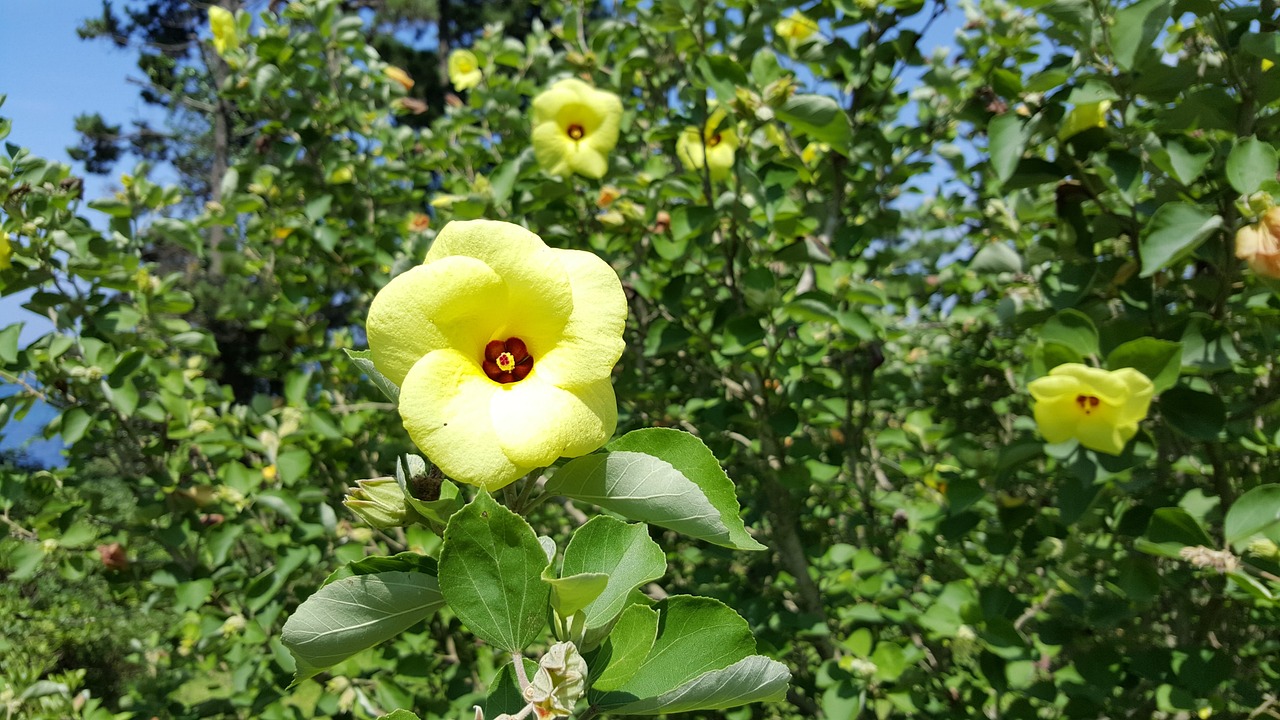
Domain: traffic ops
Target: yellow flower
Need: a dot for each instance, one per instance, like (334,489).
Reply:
(1267,64)
(464,70)
(6,251)
(399,76)
(574,128)
(1084,117)
(1259,244)
(795,28)
(222,22)
(502,348)
(714,146)
(1100,408)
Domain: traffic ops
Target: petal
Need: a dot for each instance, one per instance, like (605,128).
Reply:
(1101,383)
(539,294)
(547,105)
(537,422)
(445,405)
(588,162)
(447,303)
(591,341)
(1057,419)
(552,147)
(608,108)
(1139,388)
(1053,387)
(1102,432)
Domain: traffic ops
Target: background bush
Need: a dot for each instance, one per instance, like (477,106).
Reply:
(907,238)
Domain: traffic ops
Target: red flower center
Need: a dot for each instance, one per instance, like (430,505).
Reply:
(1087,403)
(507,361)
(714,140)
(576,131)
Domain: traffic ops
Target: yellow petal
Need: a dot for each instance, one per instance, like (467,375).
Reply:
(552,147)
(446,303)
(445,403)
(539,293)
(1056,419)
(591,342)
(1102,433)
(1094,381)
(537,423)
(689,149)
(1139,389)
(222,23)
(588,162)
(1084,117)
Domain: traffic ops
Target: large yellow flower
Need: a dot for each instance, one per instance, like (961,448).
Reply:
(713,147)
(1100,408)
(1259,244)
(502,348)
(574,128)
(222,23)
(464,70)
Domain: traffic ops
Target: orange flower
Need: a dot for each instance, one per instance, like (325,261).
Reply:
(1259,244)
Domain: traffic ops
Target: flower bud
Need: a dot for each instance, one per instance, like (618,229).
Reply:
(560,682)
(1264,548)
(1259,244)
(380,502)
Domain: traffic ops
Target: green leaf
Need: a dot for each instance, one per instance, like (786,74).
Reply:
(9,343)
(1198,415)
(1174,231)
(400,562)
(74,424)
(624,553)
(819,117)
(1251,585)
(1159,360)
(625,651)
(1187,158)
(1007,140)
(661,476)
(491,574)
(995,258)
(364,360)
(1251,163)
(356,613)
(399,715)
(696,635)
(1072,329)
(1135,30)
(1254,513)
(750,680)
(1170,530)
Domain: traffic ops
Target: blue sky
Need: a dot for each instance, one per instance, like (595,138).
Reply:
(50,75)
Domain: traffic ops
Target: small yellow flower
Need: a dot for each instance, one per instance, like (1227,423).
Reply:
(1084,117)
(503,350)
(1259,244)
(714,147)
(795,28)
(399,76)
(464,70)
(1100,408)
(6,251)
(574,128)
(1267,64)
(222,23)
(269,473)
(813,151)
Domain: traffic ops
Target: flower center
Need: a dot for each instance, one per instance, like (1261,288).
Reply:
(1087,403)
(576,131)
(714,140)
(507,361)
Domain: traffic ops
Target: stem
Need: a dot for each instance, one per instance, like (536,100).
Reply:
(521,675)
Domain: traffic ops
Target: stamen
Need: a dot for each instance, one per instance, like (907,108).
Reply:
(507,361)
(576,131)
(1087,403)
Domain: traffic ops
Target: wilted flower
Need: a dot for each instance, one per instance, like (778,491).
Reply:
(1100,408)
(560,682)
(1084,117)
(222,23)
(380,502)
(502,348)
(574,128)
(714,147)
(399,76)
(464,70)
(795,28)
(1259,244)
(419,222)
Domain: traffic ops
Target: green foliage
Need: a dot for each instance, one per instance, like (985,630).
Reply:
(810,322)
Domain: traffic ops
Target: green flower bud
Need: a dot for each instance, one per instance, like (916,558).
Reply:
(380,502)
(1264,548)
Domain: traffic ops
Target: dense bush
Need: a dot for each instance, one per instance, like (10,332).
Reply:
(847,308)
